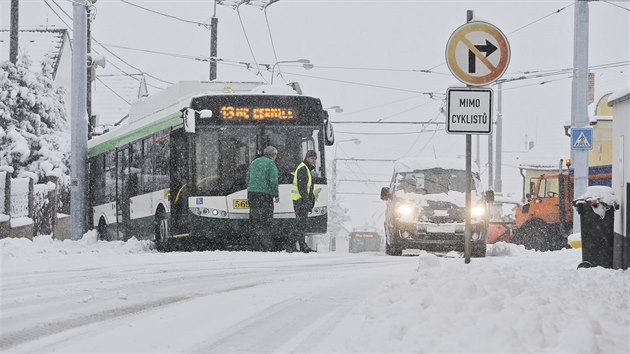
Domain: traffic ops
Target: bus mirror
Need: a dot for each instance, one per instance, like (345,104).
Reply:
(189,120)
(205,113)
(329,133)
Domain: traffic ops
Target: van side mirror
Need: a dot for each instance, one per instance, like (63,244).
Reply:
(329,133)
(385,193)
(489,195)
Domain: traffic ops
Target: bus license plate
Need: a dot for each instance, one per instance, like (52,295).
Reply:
(240,204)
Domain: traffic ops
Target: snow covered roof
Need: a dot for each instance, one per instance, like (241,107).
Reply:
(409,164)
(38,43)
(619,96)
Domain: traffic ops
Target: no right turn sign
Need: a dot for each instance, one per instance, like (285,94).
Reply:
(477,53)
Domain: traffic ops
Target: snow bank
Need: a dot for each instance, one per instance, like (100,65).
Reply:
(23,250)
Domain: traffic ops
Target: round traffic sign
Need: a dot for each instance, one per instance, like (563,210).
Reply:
(477,53)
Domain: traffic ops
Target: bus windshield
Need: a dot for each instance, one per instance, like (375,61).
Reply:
(223,154)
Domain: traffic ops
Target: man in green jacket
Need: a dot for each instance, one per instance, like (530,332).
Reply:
(262,192)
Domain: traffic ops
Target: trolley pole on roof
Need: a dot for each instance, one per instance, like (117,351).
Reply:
(579,101)
(78,183)
(214,24)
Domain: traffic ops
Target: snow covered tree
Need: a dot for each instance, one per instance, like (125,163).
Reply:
(337,216)
(33,127)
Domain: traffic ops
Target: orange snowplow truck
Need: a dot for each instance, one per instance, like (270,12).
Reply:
(545,221)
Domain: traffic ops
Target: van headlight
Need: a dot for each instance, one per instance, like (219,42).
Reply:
(404,210)
(478,212)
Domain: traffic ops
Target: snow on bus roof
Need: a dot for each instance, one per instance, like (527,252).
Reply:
(409,164)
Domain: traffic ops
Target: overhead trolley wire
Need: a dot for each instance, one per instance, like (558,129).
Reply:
(109,51)
(619,6)
(206,25)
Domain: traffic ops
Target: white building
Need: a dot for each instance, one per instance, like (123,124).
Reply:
(620,101)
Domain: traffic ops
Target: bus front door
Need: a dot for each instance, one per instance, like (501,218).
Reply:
(180,170)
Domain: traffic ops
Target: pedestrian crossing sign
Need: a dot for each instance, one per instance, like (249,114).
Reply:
(582,138)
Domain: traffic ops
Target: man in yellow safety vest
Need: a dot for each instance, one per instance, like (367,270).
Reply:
(303,200)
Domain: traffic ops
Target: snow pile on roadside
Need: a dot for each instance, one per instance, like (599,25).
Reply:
(529,302)
(24,249)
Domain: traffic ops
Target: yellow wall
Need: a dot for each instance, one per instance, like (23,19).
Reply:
(602,144)
(602,135)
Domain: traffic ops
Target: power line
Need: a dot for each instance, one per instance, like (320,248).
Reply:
(430,122)
(112,90)
(619,6)
(363,84)
(424,71)
(112,53)
(540,19)
(394,133)
(520,28)
(205,25)
(238,12)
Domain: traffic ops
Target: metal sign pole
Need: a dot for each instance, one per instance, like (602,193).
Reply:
(469,17)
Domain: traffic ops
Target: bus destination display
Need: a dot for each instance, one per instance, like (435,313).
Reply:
(256,113)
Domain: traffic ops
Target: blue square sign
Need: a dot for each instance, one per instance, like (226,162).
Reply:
(582,138)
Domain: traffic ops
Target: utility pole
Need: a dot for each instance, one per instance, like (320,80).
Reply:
(214,24)
(498,160)
(78,140)
(89,70)
(15,28)
(579,101)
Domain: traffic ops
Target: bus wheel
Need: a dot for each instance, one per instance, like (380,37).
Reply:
(161,230)
(101,230)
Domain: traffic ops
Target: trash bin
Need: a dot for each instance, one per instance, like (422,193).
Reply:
(597,213)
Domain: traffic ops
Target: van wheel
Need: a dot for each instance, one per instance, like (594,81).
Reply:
(392,251)
(478,250)
(161,230)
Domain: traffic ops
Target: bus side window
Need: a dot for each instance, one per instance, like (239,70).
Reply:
(135,180)
(161,159)
(98,180)
(147,166)
(110,176)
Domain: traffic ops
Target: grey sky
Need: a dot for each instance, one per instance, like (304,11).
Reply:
(399,38)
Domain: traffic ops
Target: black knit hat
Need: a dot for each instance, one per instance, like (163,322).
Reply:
(310,153)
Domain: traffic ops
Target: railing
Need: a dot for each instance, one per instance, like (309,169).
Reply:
(27,209)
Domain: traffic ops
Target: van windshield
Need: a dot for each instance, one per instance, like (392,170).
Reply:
(431,181)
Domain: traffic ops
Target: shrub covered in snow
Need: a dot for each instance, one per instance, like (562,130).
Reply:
(34,132)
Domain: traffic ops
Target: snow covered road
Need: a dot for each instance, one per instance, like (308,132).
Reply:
(191,302)
(89,296)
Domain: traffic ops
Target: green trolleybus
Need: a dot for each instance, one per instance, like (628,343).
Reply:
(177,171)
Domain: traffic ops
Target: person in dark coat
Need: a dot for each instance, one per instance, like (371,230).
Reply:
(262,192)
(303,200)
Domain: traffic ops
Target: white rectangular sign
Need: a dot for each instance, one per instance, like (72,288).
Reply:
(469,110)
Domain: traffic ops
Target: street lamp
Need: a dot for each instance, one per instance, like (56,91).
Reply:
(306,64)
(337,109)
(334,171)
